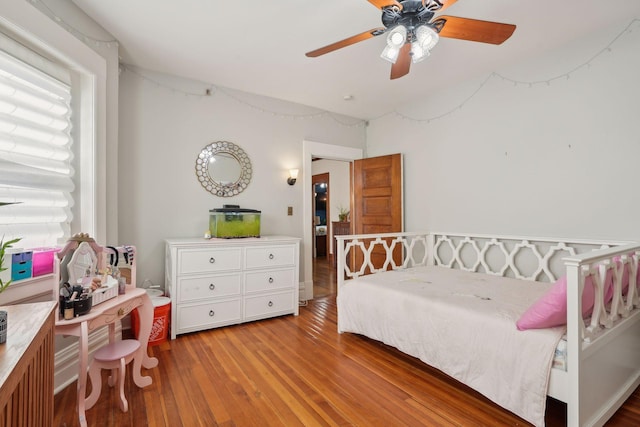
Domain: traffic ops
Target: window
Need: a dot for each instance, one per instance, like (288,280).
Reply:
(36,173)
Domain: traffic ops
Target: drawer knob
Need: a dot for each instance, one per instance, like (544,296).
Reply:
(270,279)
(271,256)
(270,304)
(212,260)
(212,286)
(212,313)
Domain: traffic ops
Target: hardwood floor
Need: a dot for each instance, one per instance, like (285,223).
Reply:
(298,371)
(324,276)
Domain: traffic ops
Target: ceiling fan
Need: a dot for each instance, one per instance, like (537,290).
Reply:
(412,33)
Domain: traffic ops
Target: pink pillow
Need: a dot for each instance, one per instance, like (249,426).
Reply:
(551,309)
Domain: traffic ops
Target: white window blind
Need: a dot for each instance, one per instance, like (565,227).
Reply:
(36,175)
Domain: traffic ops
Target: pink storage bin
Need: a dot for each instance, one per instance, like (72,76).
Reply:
(43,260)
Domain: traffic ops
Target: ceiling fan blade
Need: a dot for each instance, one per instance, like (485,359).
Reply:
(346,42)
(474,29)
(445,4)
(381,4)
(401,67)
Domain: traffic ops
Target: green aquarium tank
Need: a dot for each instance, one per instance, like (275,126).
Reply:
(234,222)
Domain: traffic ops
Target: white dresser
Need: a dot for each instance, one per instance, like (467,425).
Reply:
(221,282)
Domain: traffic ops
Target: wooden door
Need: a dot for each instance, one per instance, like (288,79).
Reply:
(377,201)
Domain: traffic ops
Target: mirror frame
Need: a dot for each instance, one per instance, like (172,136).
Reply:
(77,265)
(217,188)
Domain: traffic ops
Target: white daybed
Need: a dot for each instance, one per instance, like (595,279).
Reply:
(429,302)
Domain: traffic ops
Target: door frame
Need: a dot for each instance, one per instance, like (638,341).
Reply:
(312,149)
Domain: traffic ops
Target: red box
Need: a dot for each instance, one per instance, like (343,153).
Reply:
(43,260)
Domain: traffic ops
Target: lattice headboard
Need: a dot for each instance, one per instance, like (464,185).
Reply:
(538,259)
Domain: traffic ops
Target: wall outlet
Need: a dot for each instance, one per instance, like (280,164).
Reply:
(290,210)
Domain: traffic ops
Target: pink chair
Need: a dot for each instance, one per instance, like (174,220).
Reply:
(114,356)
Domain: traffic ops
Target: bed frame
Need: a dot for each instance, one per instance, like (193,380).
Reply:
(603,354)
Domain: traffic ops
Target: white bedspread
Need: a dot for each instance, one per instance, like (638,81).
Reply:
(461,323)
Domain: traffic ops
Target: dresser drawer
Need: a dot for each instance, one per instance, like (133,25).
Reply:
(212,286)
(270,256)
(209,315)
(259,307)
(209,260)
(269,280)
(21,270)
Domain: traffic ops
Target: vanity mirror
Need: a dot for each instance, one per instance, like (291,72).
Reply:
(83,260)
(223,169)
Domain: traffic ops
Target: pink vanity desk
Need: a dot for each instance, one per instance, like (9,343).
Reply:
(106,314)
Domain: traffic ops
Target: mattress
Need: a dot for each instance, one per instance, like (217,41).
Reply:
(462,323)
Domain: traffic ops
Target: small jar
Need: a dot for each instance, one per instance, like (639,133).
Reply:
(68,310)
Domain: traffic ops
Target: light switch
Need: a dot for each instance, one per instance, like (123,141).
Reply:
(290,210)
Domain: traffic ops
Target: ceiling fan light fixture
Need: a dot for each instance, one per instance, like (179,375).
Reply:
(418,53)
(397,37)
(427,37)
(390,54)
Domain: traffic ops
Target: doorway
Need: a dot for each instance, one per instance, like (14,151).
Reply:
(324,282)
(331,190)
(312,150)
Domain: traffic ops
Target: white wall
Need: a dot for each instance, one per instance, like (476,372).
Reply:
(553,158)
(339,189)
(163,129)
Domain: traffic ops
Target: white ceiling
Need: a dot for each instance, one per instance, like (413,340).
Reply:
(259,46)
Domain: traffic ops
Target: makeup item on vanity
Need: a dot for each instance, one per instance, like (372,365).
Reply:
(82,305)
(68,310)
(80,302)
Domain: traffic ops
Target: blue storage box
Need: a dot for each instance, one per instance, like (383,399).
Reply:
(19,257)
(22,271)
(21,265)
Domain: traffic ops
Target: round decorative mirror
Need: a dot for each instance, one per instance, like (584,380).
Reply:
(223,169)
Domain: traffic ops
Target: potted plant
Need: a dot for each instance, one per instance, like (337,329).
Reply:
(3,285)
(3,248)
(343,214)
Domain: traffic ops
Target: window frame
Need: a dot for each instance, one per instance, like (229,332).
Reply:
(25,23)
